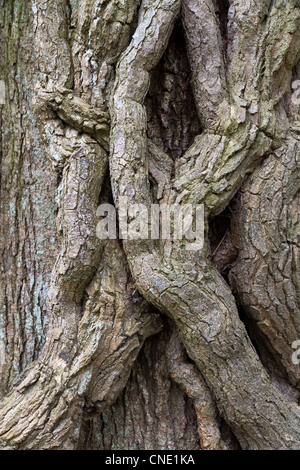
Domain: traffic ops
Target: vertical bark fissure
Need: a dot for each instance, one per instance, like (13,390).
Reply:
(86,62)
(82,363)
(204,310)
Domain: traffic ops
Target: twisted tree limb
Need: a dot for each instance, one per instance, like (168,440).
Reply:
(186,287)
(189,378)
(91,343)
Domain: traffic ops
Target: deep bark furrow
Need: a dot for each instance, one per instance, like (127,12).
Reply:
(81,364)
(204,310)
(101,103)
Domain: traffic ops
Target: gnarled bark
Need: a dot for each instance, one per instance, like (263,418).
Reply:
(112,108)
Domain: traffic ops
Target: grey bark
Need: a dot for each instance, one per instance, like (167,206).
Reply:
(103,98)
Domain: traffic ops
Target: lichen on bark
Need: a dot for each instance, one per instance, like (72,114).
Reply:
(99,106)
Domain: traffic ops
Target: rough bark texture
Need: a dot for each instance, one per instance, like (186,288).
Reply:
(158,101)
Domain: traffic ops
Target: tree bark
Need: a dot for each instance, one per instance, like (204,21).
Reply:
(144,344)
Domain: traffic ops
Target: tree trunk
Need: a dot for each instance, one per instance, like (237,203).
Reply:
(145,344)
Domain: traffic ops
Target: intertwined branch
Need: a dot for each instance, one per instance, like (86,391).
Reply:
(186,286)
(91,345)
